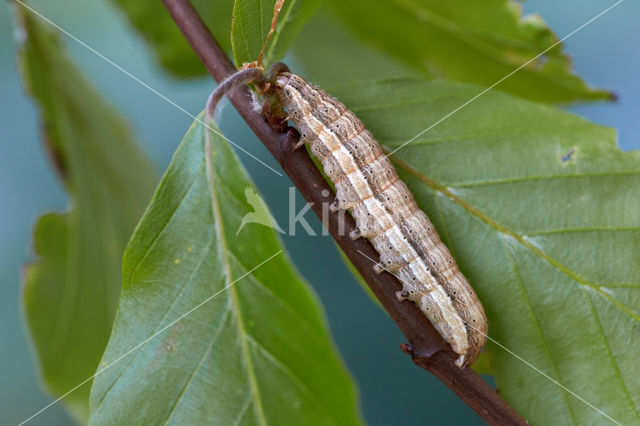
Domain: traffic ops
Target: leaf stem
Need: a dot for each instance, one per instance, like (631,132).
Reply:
(232,82)
(427,348)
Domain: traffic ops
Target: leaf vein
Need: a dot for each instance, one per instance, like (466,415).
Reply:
(297,380)
(158,326)
(226,315)
(303,320)
(165,225)
(614,363)
(520,238)
(536,324)
(243,410)
(583,230)
(542,177)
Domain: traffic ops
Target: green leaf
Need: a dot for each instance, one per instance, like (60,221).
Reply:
(468,40)
(71,291)
(315,53)
(540,209)
(254,347)
(252,22)
(169,45)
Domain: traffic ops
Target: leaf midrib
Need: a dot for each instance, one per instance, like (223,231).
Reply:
(303,321)
(224,250)
(271,357)
(282,20)
(521,239)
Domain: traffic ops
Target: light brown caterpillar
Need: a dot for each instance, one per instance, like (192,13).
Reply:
(386,213)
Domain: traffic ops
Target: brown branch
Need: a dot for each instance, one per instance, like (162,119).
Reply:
(427,348)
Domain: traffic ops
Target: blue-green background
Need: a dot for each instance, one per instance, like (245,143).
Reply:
(392,390)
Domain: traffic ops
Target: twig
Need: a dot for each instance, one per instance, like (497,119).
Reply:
(427,349)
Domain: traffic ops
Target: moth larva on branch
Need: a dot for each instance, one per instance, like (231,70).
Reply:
(385,212)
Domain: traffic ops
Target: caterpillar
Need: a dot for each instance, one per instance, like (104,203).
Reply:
(385,212)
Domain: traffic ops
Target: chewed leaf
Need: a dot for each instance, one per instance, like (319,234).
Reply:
(472,41)
(232,335)
(548,240)
(71,291)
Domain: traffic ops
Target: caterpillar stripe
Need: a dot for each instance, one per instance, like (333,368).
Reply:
(386,213)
